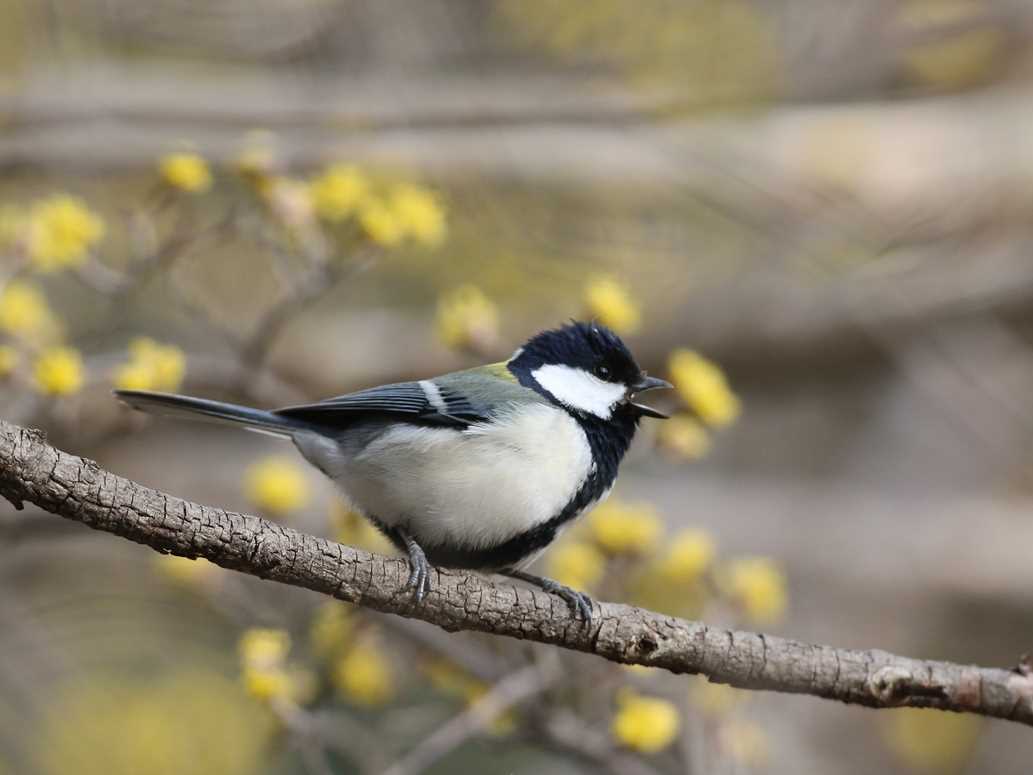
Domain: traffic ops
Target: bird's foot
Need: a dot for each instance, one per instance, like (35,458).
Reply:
(579,602)
(419,577)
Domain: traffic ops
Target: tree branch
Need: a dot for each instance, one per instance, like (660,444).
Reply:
(511,690)
(80,490)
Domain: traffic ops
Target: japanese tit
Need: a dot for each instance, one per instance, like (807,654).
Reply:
(477,469)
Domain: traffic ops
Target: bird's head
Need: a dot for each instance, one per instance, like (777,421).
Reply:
(586,368)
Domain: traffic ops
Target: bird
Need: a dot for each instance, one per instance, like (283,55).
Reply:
(479,469)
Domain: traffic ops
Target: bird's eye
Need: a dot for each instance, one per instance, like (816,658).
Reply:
(602,372)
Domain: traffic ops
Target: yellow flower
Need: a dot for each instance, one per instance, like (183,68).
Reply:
(168,361)
(704,388)
(609,302)
(186,171)
(265,684)
(276,485)
(338,191)
(263,655)
(619,527)
(58,371)
(331,628)
(420,213)
(645,724)
(746,743)
(363,675)
(380,223)
(266,675)
(467,319)
(24,312)
(758,585)
(61,231)
(684,437)
(576,564)
(928,740)
(151,366)
(352,529)
(687,556)
(280,683)
(263,647)
(132,376)
(185,570)
(9,359)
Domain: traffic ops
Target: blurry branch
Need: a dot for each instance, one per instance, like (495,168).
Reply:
(505,124)
(477,661)
(360,104)
(316,733)
(318,281)
(567,730)
(511,690)
(266,333)
(80,490)
(151,261)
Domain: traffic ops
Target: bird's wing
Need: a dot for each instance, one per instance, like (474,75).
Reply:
(425,402)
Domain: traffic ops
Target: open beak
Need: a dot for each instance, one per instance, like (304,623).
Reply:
(643,384)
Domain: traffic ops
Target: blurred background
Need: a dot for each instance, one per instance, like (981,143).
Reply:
(815,218)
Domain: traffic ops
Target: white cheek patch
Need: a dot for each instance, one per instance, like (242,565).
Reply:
(579,390)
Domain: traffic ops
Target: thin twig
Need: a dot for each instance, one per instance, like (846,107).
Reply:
(257,346)
(511,690)
(471,657)
(320,279)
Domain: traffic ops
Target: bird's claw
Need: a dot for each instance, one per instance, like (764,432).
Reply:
(579,602)
(419,577)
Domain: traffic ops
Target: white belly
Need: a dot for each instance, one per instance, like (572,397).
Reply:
(473,488)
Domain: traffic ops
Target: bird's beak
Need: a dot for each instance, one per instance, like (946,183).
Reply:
(643,384)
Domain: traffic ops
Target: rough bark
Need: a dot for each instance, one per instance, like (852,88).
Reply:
(80,490)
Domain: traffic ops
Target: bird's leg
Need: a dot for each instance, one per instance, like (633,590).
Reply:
(578,601)
(419,578)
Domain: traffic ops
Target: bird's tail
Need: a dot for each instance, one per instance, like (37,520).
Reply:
(173,405)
